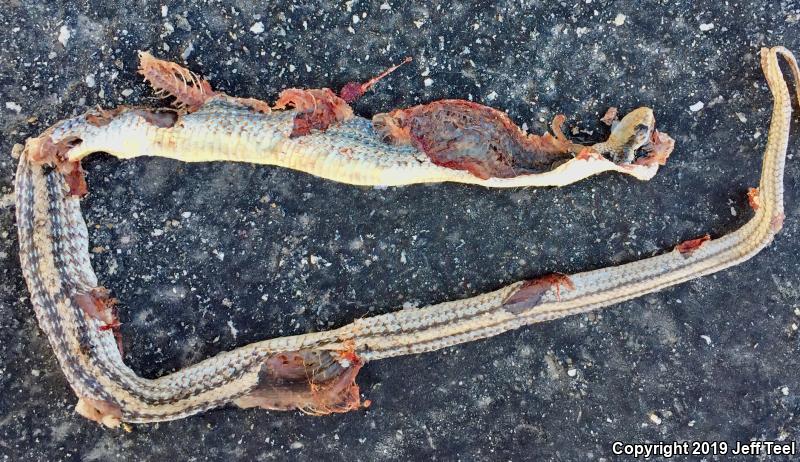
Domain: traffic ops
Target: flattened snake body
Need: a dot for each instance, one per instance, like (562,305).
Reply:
(316,372)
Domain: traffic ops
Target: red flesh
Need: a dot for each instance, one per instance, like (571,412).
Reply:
(463,135)
(531,292)
(687,248)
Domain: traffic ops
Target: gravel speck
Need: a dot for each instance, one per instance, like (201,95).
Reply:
(257,28)
(13,106)
(696,106)
(64,35)
(572,372)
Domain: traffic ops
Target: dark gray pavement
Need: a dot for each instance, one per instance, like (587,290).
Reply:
(208,257)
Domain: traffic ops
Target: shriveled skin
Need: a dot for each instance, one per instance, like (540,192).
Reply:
(313,372)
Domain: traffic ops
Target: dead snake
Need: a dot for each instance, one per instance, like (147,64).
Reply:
(316,372)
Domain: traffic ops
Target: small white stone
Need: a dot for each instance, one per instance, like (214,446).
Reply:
(385,6)
(257,28)
(741,117)
(127,92)
(428,82)
(292,68)
(186,214)
(356,19)
(706,338)
(655,418)
(36,373)
(491,96)
(157,232)
(64,35)
(706,27)
(296,445)
(572,372)
(90,82)
(620,19)
(13,106)
(697,106)
(733,211)
(785,391)
(187,51)
(419,23)
(164,11)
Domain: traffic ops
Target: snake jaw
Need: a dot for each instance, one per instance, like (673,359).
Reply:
(630,134)
(636,131)
(657,149)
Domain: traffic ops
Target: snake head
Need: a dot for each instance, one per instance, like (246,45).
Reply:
(633,132)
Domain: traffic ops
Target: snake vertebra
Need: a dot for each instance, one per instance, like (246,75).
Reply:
(316,372)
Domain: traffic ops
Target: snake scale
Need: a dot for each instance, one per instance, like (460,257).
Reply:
(316,372)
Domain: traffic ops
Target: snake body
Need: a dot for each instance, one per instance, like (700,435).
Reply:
(314,372)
